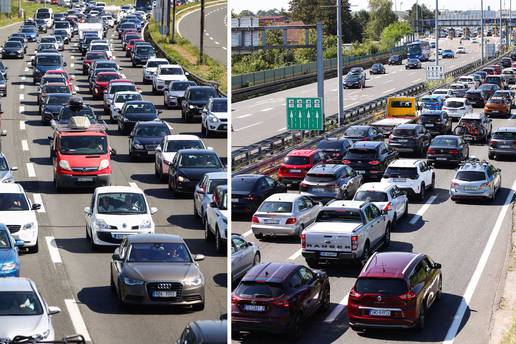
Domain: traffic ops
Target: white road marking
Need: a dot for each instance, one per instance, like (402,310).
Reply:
(133,185)
(391,90)
(246,234)
(211,38)
(38,199)
(22,109)
(246,115)
(23,78)
(76,88)
(415,218)
(475,278)
(282,129)
(77,320)
(30,169)
(224,48)
(25,145)
(337,310)
(22,125)
(266,109)
(53,250)
(334,89)
(22,96)
(249,126)
(217,43)
(72,65)
(72,57)
(22,86)
(295,255)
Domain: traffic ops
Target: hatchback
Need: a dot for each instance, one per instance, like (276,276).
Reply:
(447,149)
(387,197)
(411,138)
(334,149)
(497,106)
(136,111)
(369,159)
(363,133)
(436,121)
(297,163)
(9,260)
(476,98)
(503,143)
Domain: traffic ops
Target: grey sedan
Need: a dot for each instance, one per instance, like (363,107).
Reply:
(244,255)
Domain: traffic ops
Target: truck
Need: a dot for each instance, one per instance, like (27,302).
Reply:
(399,110)
(345,231)
(90,27)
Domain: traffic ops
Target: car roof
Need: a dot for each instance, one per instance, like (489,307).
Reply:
(170,65)
(326,168)
(270,272)
(11,188)
(182,137)
(390,264)
(367,144)
(154,238)
(15,284)
(301,152)
(286,197)
(116,188)
(210,330)
(346,204)
(376,186)
(405,163)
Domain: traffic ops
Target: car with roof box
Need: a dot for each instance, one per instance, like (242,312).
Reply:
(476,179)
(503,143)
(410,138)
(436,122)
(362,133)
(248,191)
(168,148)
(447,149)
(297,163)
(369,158)
(412,176)
(145,138)
(52,106)
(334,148)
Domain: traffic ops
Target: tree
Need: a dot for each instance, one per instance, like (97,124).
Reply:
(393,33)
(380,16)
(423,12)
(323,11)
(358,25)
(246,13)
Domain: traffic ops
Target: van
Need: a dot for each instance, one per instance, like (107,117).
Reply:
(401,107)
(47,14)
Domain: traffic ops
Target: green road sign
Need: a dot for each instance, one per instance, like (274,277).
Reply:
(304,114)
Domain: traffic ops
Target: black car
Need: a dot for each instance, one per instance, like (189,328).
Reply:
(74,108)
(506,62)
(476,98)
(205,332)
(52,85)
(13,49)
(410,138)
(189,166)
(141,53)
(357,133)
(437,122)
(42,25)
(488,89)
(395,60)
(195,99)
(136,111)
(369,158)
(19,37)
(51,108)
(3,69)
(145,137)
(447,149)
(354,80)
(377,68)
(413,64)
(334,148)
(249,190)
(84,45)
(63,34)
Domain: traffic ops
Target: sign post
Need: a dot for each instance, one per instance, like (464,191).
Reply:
(434,72)
(304,114)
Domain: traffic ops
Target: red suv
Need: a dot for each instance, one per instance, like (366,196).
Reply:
(277,297)
(297,163)
(394,289)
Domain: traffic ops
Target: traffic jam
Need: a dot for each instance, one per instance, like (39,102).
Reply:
(119,203)
(344,241)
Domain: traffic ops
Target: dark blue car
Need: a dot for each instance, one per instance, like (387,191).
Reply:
(9,260)
(145,137)
(44,62)
(136,111)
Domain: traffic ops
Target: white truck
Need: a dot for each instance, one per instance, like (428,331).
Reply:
(345,231)
(90,27)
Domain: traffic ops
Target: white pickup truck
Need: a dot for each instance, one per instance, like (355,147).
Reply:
(345,231)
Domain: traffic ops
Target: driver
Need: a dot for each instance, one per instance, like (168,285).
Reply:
(105,205)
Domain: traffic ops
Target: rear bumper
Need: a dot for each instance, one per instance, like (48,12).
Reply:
(404,146)
(503,151)
(341,256)
(443,159)
(270,325)
(461,194)
(275,230)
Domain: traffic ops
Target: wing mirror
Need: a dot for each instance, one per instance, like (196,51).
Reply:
(199,257)
(113,152)
(436,266)
(153,210)
(87,211)
(158,149)
(52,310)
(36,206)
(14,168)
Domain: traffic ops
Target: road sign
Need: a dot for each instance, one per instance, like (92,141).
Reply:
(490,50)
(434,72)
(304,114)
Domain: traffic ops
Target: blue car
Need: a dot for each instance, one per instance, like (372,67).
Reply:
(431,102)
(9,260)
(30,32)
(448,54)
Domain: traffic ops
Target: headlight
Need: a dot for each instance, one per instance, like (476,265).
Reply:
(191,106)
(137,146)
(183,179)
(213,119)
(146,224)
(101,224)
(64,165)
(28,225)
(130,281)
(104,164)
(8,266)
(43,335)
(159,81)
(194,282)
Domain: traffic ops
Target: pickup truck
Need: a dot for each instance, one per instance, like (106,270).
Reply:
(399,110)
(345,231)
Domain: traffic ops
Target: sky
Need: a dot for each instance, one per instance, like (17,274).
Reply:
(253,5)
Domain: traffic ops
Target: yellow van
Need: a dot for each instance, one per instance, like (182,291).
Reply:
(401,107)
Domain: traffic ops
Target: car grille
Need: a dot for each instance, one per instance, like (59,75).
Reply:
(84,169)
(224,120)
(151,147)
(168,286)
(13,228)
(106,236)
(192,298)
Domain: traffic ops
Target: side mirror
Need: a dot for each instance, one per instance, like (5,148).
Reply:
(113,152)
(50,138)
(199,257)
(436,266)
(19,243)
(36,206)
(158,149)
(64,64)
(14,168)
(153,210)
(116,256)
(187,74)
(87,211)
(160,111)
(3,133)
(210,148)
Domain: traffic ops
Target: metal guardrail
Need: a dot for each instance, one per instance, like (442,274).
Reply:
(265,156)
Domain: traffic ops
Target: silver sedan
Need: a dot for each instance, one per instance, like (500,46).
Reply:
(244,255)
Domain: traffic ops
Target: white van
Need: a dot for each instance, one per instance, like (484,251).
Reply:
(46,14)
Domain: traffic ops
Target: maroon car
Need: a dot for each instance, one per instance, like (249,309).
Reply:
(277,298)
(394,290)
(90,57)
(102,80)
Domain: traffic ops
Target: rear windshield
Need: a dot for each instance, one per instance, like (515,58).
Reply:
(57,89)
(400,172)
(339,216)
(359,153)
(404,132)
(430,116)
(320,178)
(180,86)
(276,207)
(504,135)
(325,145)
(48,60)
(444,141)
(297,160)
(122,88)
(152,64)
(175,145)
(358,132)
(259,289)
(383,286)
(470,176)
(202,93)
(371,196)
(454,104)
(171,71)
(246,185)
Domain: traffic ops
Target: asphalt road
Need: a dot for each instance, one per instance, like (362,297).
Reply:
(79,274)
(454,235)
(262,117)
(215,31)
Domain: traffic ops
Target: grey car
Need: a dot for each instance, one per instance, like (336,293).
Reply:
(205,332)
(174,94)
(157,269)
(475,179)
(6,171)
(204,191)
(503,143)
(244,255)
(23,311)
(3,85)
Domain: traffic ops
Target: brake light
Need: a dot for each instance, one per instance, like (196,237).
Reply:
(234,299)
(353,294)
(255,219)
(281,303)
(388,207)
(374,162)
(492,143)
(303,240)
(410,296)
(354,242)
(430,151)
(291,221)
(453,151)
(346,162)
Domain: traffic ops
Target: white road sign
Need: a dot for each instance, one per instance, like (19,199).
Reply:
(434,72)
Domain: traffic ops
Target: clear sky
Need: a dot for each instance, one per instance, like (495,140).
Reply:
(254,5)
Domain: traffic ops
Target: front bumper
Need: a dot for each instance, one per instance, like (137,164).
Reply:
(174,101)
(321,197)
(433,159)
(186,296)
(218,127)
(29,236)
(115,237)
(142,153)
(186,187)
(83,181)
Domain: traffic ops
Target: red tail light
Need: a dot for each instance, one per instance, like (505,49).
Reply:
(410,296)
(374,162)
(365,138)
(492,143)
(346,162)
(387,207)
(234,299)
(303,240)
(430,151)
(255,219)
(354,242)
(453,151)
(353,294)
(291,221)
(281,303)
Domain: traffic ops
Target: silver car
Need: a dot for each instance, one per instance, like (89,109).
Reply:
(174,94)
(6,171)
(204,191)
(475,179)
(244,255)
(23,312)
(284,214)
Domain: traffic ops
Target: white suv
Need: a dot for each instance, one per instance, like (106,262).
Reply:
(216,222)
(168,148)
(214,117)
(119,100)
(411,175)
(457,107)
(150,68)
(165,74)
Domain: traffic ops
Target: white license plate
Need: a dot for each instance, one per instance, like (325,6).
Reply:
(429,125)
(399,180)
(328,254)
(472,188)
(295,171)
(379,313)
(402,140)
(254,308)
(85,179)
(360,171)
(318,190)
(164,293)
(505,146)
(441,159)
(270,222)
(118,235)
(234,200)
(151,152)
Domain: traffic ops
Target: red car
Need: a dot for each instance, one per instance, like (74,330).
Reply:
(297,163)
(90,57)
(130,45)
(101,83)
(497,68)
(126,38)
(68,77)
(394,290)
(277,298)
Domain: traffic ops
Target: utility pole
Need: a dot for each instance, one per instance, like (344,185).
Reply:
(436,32)
(482,29)
(173,21)
(339,60)
(201,50)
(509,29)
(500,29)
(417,20)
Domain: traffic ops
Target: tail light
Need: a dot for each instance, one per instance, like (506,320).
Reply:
(282,170)
(281,303)
(251,197)
(410,296)
(291,221)
(388,207)
(430,151)
(492,143)
(303,240)
(453,151)
(454,185)
(353,294)
(346,162)
(234,299)
(354,242)
(255,219)
(374,162)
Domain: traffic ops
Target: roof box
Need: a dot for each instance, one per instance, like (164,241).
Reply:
(80,122)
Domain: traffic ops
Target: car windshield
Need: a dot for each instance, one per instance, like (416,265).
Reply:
(140,108)
(121,88)
(383,286)
(58,100)
(12,44)
(505,135)
(52,79)
(61,25)
(43,15)
(496,100)
(159,252)
(99,47)
(171,71)
(371,196)
(445,141)
(122,98)
(259,289)
(471,176)
(454,104)
(154,64)
(400,172)
(121,203)
(57,89)
(297,160)
(243,184)
(83,145)
(403,132)
(152,131)
(276,207)
(356,132)
(107,77)
(16,303)
(68,113)
(5,242)
(48,60)
(105,65)
(48,40)
(319,178)
(344,215)
(430,116)
(199,161)
(13,202)
(175,145)
(202,94)
(145,50)
(46,46)
(219,106)
(96,55)
(181,86)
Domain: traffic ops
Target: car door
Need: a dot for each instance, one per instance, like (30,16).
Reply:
(238,264)
(425,172)
(313,288)
(173,168)
(400,200)
(313,210)
(200,193)
(432,282)
(93,210)
(464,146)
(354,181)
(418,279)
(117,265)
(373,224)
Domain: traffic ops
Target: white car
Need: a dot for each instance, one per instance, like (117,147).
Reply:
(109,20)
(19,215)
(411,175)
(6,171)
(168,148)
(203,193)
(216,224)
(385,196)
(457,107)
(64,25)
(102,47)
(214,118)
(150,68)
(116,212)
(460,50)
(119,99)
(165,74)
(510,75)
(445,92)
(468,81)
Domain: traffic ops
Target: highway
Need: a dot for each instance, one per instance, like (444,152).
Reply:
(70,275)
(215,31)
(262,117)
(454,235)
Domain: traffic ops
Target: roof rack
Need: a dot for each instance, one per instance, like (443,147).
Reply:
(474,161)
(73,339)
(81,123)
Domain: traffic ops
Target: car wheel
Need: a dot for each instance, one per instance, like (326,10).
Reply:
(394,220)
(387,236)
(258,236)
(295,329)
(439,290)
(492,156)
(198,307)
(208,235)
(256,259)
(219,245)
(365,255)
(357,328)
(88,237)
(112,284)
(312,262)
(162,176)
(421,195)
(421,319)
(35,248)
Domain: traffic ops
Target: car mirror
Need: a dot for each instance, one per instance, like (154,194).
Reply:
(87,211)
(153,210)
(19,243)
(14,168)
(116,256)
(210,148)
(437,266)
(3,133)
(52,310)
(160,111)
(187,74)
(113,152)
(64,64)
(199,257)
(158,149)
(36,206)
(498,170)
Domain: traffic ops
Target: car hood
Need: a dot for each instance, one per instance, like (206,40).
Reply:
(12,49)
(148,140)
(198,103)
(53,108)
(220,115)
(197,173)
(17,217)
(121,220)
(161,271)
(172,77)
(11,326)
(140,116)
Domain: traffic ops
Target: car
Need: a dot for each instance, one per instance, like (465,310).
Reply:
(457,107)
(47,46)
(189,166)
(369,158)
(502,143)
(489,70)
(62,37)
(248,191)
(90,57)
(273,297)
(412,176)
(506,62)
(141,53)
(284,214)
(297,163)
(9,259)
(119,99)
(447,54)
(330,181)
(395,59)
(60,72)
(31,32)
(216,221)
(413,64)
(165,74)
(53,84)
(334,148)
(476,179)
(488,89)
(204,191)
(354,79)
(135,111)
(116,212)
(410,138)
(6,170)
(214,117)
(114,86)
(17,212)
(131,42)
(12,49)
(377,68)
(130,36)
(195,99)
(507,94)
(444,92)
(509,75)
(205,331)
(394,290)
(387,197)
(173,95)
(3,85)
(52,106)
(69,112)
(244,255)
(460,50)
(431,102)
(23,310)
(3,69)
(497,68)
(84,44)
(436,122)
(101,82)
(447,149)
(168,148)
(496,106)
(101,47)
(468,81)
(157,270)
(145,137)
(476,98)
(498,80)
(126,27)
(363,133)
(474,127)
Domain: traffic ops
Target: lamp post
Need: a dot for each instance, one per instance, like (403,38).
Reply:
(482,29)
(339,60)
(436,32)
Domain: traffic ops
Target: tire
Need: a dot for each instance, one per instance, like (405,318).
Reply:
(387,236)
(439,290)
(258,236)
(421,319)
(405,210)
(195,213)
(111,283)
(88,237)
(421,195)
(296,328)
(35,248)
(208,235)
(219,243)
(365,255)
(257,258)
(394,220)
(432,186)
(325,304)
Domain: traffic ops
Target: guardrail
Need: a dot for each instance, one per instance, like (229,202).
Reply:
(265,156)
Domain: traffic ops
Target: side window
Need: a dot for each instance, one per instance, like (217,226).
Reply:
(392,193)
(301,204)
(489,172)
(419,274)
(204,182)
(269,182)
(92,204)
(307,275)
(316,158)
(369,213)
(308,201)
(295,280)
(375,211)
(239,244)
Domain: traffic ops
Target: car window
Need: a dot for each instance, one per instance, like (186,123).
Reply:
(301,204)
(368,211)
(269,181)
(295,280)
(392,193)
(375,211)
(239,243)
(309,202)
(419,274)
(307,275)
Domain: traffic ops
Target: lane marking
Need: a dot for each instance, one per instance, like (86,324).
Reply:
(26,69)
(72,57)
(475,278)
(22,96)
(246,115)
(72,65)
(249,126)
(338,309)
(25,145)
(76,88)
(53,250)
(334,89)
(133,185)
(38,199)
(246,234)
(22,86)
(30,169)
(77,320)
(22,109)
(295,255)
(282,129)
(415,218)
(266,109)
(211,38)
(224,48)
(22,125)
(391,90)
(23,78)
(217,43)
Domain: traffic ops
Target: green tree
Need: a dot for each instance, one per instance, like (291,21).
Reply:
(246,13)
(423,12)
(358,25)
(381,15)
(393,33)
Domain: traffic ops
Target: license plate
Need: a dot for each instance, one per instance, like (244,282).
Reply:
(399,180)
(379,313)
(441,159)
(402,140)
(85,179)
(234,200)
(472,188)
(118,235)
(360,171)
(151,152)
(254,308)
(318,190)
(505,146)
(295,171)
(328,254)
(164,293)
(429,125)
(270,222)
